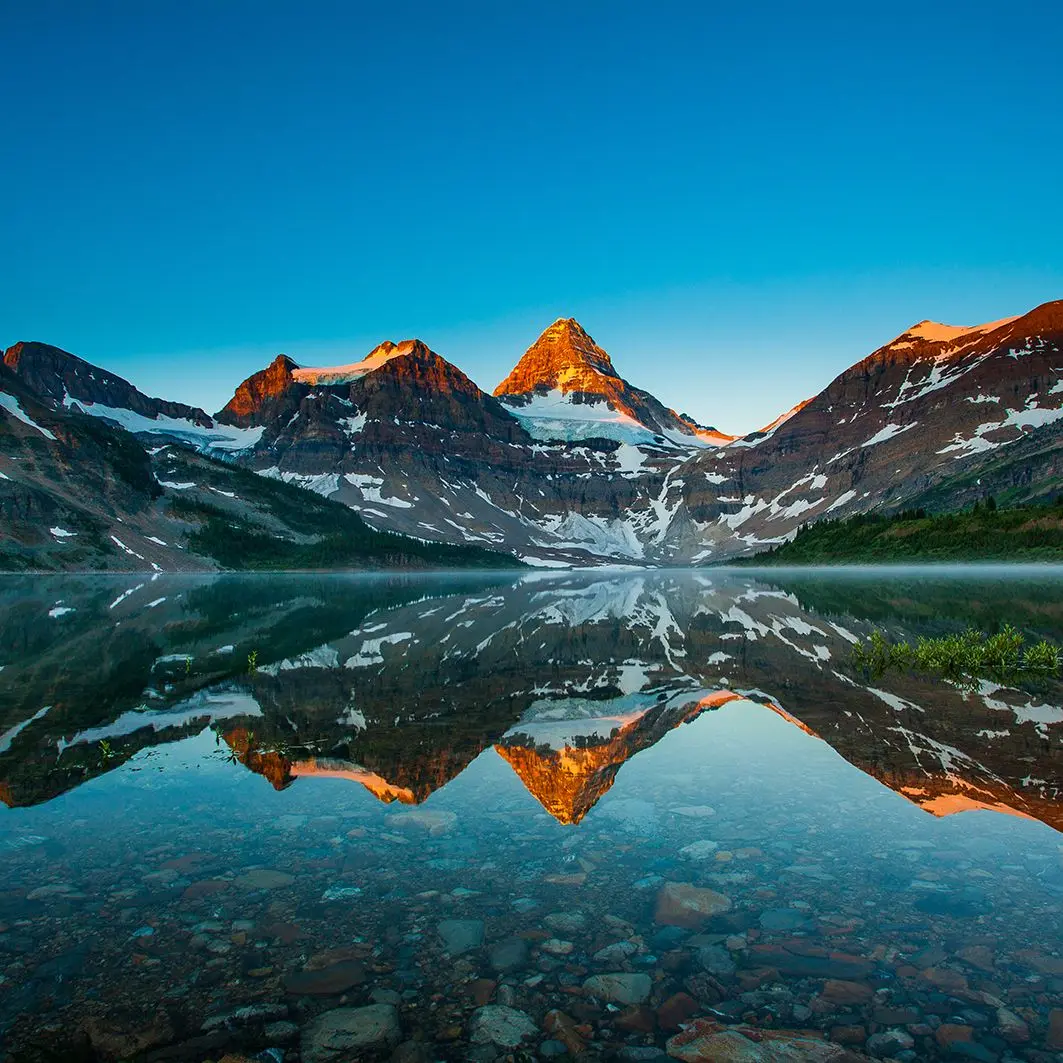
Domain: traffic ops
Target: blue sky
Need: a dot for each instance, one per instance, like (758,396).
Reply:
(737,202)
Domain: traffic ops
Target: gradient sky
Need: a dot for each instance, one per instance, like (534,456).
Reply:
(737,201)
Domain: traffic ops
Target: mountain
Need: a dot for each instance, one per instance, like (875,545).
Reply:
(62,380)
(63,377)
(905,426)
(567,464)
(410,442)
(565,387)
(568,760)
(79,492)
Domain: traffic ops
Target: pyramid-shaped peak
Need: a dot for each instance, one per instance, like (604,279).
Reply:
(567,334)
(564,356)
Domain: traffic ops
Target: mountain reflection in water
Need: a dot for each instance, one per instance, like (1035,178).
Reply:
(399,684)
(658,712)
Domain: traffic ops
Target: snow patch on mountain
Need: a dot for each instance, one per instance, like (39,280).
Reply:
(608,538)
(630,460)
(555,416)
(841,500)
(345,374)
(11,405)
(221,437)
(1032,415)
(888,432)
(371,489)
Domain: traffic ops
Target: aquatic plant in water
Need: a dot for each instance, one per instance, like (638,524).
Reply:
(1003,656)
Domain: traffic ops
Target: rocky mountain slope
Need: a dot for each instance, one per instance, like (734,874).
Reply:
(914,422)
(569,464)
(77,493)
(416,447)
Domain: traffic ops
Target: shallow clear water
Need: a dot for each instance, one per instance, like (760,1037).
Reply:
(240,807)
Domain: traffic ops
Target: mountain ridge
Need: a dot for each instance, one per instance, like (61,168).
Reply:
(569,464)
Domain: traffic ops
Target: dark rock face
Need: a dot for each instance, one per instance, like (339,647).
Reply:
(65,479)
(903,423)
(57,375)
(79,493)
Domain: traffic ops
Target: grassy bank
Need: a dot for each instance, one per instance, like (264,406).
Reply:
(982,533)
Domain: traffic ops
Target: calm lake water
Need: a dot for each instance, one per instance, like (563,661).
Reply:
(471,817)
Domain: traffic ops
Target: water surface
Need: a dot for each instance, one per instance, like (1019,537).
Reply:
(237,804)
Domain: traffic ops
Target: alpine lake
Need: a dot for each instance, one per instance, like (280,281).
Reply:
(600,815)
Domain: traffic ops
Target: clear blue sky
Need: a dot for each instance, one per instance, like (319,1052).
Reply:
(737,201)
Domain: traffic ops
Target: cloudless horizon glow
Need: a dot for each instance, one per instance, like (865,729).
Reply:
(736,204)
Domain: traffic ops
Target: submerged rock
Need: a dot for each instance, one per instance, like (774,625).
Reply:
(334,1035)
(619,988)
(326,981)
(684,905)
(616,953)
(704,1041)
(461,935)
(699,851)
(499,1025)
(434,821)
(509,954)
(889,1043)
(716,960)
(782,919)
(263,878)
(565,922)
(557,947)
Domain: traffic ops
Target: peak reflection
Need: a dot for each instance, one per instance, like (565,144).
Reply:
(400,684)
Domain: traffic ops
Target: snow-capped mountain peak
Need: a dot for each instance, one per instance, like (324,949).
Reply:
(344,374)
(938,333)
(566,387)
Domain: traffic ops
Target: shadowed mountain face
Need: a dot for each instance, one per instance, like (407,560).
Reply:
(80,491)
(399,684)
(934,416)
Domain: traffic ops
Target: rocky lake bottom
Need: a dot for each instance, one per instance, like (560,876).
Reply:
(605,844)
